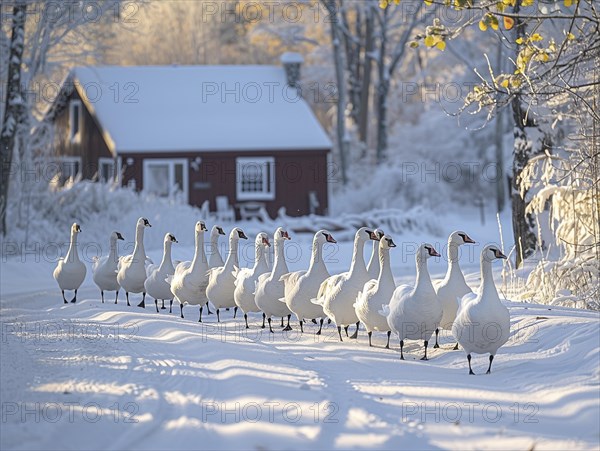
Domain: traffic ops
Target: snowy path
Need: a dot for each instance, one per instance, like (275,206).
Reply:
(188,385)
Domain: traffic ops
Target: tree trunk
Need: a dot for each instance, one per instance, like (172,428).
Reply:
(383,86)
(14,108)
(338,57)
(365,91)
(499,143)
(523,224)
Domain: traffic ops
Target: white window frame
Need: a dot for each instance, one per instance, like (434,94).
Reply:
(105,160)
(262,162)
(171,162)
(75,137)
(68,159)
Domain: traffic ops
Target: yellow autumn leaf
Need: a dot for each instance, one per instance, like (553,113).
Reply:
(568,3)
(536,37)
(482,25)
(504,83)
(428,2)
(429,41)
(527,2)
(508,23)
(519,41)
(570,36)
(441,45)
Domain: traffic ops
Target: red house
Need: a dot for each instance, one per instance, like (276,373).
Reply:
(242,135)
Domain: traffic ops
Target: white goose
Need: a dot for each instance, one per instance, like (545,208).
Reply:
(215,260)
(373,265)
(415,311)
(482,323)
(70,271)
(245,278)
(377,292)
(338,293)
(104,269)
(189,282)
(269,288)
(453,286)
(221,280)
(156,284)
(131,273)
(302,286)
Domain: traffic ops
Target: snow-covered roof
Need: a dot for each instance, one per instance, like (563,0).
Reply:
(205,108)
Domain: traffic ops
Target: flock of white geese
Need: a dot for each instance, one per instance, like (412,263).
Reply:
(366,293)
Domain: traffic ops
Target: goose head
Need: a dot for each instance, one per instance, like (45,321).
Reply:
(458,238)
(237,234)
(75,229)
(281,234)
(116,236)
(200,227)
(380,233)
(216,231)
(365,234)
(322,237)
(262,239)
(143,222)
(386,242)
(491,252)
(427,250)
(169,238)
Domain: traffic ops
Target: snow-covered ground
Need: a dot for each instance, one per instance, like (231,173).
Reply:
(94,376)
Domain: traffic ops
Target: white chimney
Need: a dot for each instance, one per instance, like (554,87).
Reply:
(292,62)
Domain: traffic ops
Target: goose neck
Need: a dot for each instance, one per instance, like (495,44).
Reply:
(232,257)
(138,250)
(316,259)
(488,287)
(166,260)
(112,253)
(358,261)
(374,255)
(72,254)
(385,267)
(453,260)
(199,255)
(423,277)
(280,265)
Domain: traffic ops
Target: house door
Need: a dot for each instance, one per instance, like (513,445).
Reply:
(166,178)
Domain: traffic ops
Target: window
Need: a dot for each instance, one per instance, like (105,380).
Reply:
(255,178)
(69,168)
(75,120)
(166,178)
(106,169)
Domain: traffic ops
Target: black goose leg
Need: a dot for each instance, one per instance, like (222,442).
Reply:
(117,296)
(387,346)
(200,318)
(235,311)
(340,332)
(469,360)
(401,349)
(74,300)
(246,318)
(64,298)
(171,306)
(102,294)
(218,317)
(163,305)
(156,305)
(346,330)
(370,333)
(208,312)
(282,321)
(314,321)
(328,320)
(425,356)
(320,327)
(490,367)
(270,328)
(288,327)
(355,334)
(455,348)
(437,332)
(301,327)
(143,303)
(127,296)
(264,318)
(181,309)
